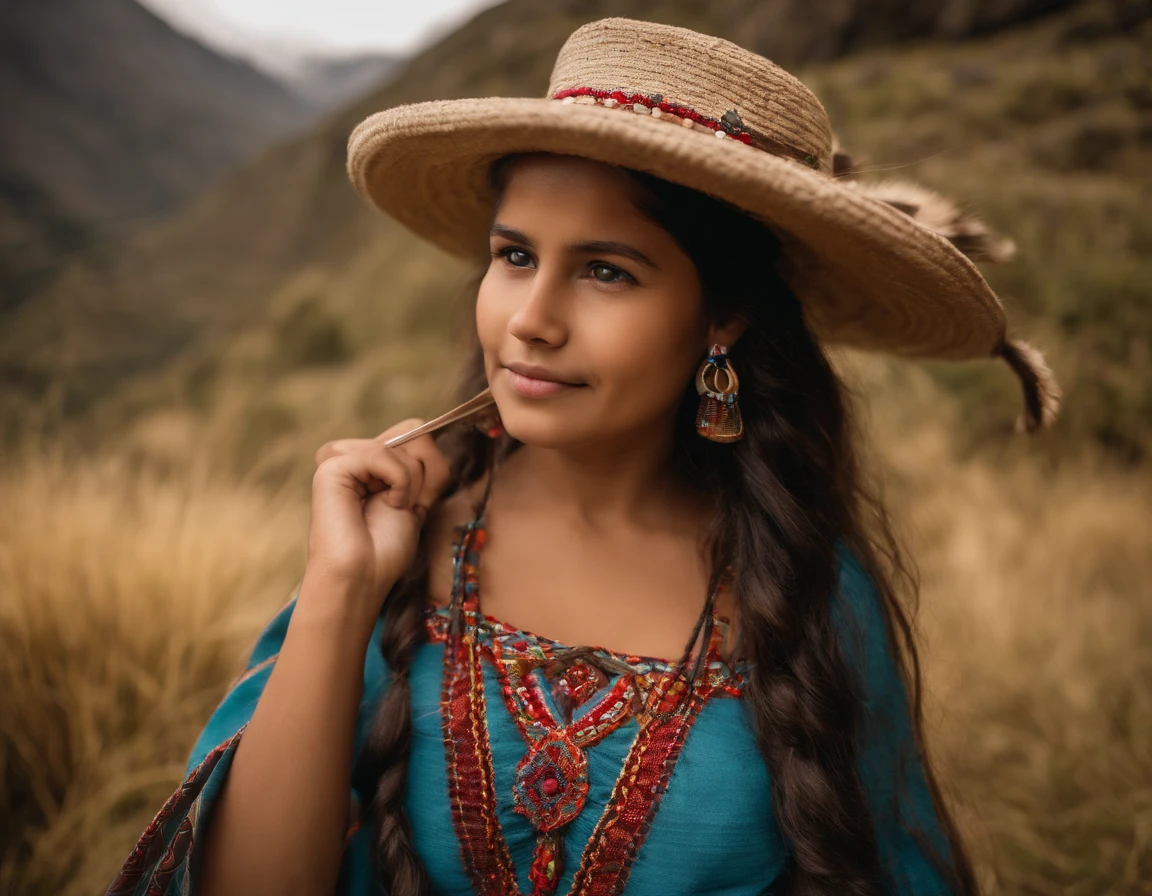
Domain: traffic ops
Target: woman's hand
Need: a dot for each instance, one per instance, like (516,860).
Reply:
(368,504)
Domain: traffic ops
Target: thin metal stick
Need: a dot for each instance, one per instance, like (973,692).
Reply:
(470,407)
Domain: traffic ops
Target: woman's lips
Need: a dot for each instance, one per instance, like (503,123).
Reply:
(530,387)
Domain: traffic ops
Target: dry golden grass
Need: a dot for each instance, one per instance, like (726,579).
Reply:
(127,600)
(1036,625)
(129,593)
(134,576)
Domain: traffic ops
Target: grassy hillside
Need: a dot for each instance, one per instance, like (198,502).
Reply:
(163,407)
(1046,130)
(1045,126)
(112,116)
(133,585)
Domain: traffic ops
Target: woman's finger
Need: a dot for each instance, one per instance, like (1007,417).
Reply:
(340,446)
(372,472)
(436,470)
(345,446)
(415,469)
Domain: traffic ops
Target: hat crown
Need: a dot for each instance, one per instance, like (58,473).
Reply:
(708,74)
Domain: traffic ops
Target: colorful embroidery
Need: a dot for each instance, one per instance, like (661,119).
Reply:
(158,855)
(542,683)
(466,744)
(607,861)
(551,781)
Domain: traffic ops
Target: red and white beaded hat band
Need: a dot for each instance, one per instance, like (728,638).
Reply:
(884,266)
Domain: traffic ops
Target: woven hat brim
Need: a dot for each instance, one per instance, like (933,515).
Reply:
(867,275)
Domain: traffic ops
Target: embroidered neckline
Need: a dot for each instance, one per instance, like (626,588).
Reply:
(512,640)
(551,781)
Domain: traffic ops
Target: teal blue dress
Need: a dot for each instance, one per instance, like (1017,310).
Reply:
(606,779)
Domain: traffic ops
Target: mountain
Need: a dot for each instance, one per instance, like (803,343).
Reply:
(331,82)
(111,117)
(1035,113)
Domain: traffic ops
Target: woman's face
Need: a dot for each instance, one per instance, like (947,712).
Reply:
(590,315)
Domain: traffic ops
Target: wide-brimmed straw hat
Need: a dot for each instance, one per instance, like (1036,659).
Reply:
(882,266)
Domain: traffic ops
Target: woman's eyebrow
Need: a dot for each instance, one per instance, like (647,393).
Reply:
(611,247)
(589,247)
(509,233)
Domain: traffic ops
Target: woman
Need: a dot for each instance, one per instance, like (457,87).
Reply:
(673,474)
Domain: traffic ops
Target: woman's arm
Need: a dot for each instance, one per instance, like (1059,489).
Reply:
(279,822)
(267,805)
(168,856)
(909,834)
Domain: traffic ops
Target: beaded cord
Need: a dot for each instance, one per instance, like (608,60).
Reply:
(728,126)
(655,105)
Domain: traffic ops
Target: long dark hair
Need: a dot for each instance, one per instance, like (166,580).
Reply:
(787,494)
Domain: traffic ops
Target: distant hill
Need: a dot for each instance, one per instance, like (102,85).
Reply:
(111,116)
(328,83)
(1040,119)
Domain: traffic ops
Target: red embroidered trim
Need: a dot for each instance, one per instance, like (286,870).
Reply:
(607,861)
(151,862)
(150,856)
(525,700)
(471,789)
(503,643)
(173,859)
(552,785)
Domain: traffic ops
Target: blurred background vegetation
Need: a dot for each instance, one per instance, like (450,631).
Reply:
(192,300)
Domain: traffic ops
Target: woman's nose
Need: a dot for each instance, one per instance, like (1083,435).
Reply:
(539,319)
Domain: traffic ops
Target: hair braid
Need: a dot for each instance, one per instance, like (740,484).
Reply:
(383,766)
(799,695)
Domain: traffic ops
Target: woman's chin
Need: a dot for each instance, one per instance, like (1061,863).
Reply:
(544,425)
(532,429)
(551,421)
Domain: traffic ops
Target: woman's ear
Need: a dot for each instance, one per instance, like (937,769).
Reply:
(727,331)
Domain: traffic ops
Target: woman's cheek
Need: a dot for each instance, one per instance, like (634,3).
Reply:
(644,360)
(491,317)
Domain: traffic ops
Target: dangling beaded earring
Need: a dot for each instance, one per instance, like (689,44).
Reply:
(719,416)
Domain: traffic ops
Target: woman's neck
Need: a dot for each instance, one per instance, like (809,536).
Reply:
(624,482)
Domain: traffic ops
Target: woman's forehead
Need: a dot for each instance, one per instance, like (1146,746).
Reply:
(562,192)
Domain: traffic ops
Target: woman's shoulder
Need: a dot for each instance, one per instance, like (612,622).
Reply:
(855,595)
(862,621)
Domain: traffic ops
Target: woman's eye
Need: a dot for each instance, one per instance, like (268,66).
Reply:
(607,273)
(518,258)
(602,272)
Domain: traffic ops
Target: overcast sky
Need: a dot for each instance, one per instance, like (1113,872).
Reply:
(263,27)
